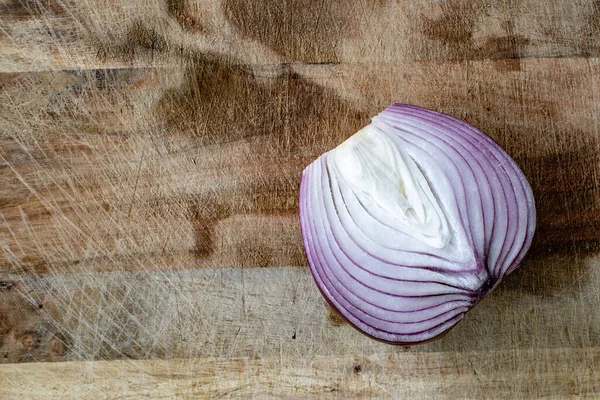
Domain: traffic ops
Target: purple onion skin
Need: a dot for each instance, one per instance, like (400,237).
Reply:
(471,236)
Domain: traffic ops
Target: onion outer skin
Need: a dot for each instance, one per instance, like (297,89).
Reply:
(412,221)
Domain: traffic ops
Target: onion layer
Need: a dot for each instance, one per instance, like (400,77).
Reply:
(411,221)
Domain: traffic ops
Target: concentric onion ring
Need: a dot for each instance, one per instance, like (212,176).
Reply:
(411,221)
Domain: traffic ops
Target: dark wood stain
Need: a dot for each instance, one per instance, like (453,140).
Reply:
(220,103)
(205,213)
(566,190)
(58,346)
(564,180)
(297,29)
(28,9)
(144,37)
(9,79)
(589,38)
(548,277)
(208,207)
(92,81)
(300,30)
(453,30)
(179,9)
(30,340)
(26,333)
(296,254)
(508,48)
(334,317)
(205,240)
(5,323)
(251,252)
(275,197)
(140,40)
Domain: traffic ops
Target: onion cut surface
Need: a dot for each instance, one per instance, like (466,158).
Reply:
(411,221)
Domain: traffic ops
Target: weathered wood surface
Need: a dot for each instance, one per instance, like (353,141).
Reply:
(269,312)
(551,373)
(41,35)
(149,162)
(200,167)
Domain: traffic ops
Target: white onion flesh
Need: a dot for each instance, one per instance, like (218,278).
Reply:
(411,221)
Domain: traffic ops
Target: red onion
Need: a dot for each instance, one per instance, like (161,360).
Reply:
(411,221)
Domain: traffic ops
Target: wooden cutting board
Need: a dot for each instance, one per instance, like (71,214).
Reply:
(150,155)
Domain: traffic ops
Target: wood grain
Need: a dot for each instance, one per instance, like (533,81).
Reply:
(150,155)
(267,312)
(66,34)
(107,169)
(556,374)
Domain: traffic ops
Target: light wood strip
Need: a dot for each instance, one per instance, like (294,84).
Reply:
(269,312)
(508,374)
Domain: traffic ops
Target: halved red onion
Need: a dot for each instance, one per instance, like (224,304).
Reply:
(411,221)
